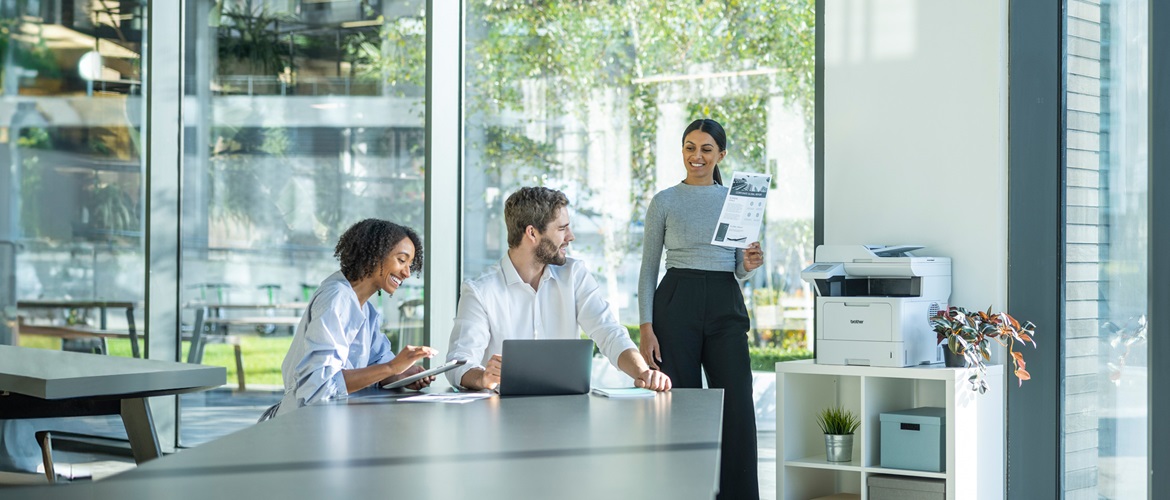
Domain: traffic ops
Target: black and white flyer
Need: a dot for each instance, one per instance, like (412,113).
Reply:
(743,210)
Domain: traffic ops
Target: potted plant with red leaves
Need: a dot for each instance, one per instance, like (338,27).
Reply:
(969,336)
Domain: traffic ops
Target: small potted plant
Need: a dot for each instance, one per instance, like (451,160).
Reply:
(969,335)
(838,424)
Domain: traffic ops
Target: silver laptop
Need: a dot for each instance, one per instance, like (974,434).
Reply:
(546,367)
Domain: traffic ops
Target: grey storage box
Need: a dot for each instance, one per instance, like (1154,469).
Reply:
(914,439)
(906,488)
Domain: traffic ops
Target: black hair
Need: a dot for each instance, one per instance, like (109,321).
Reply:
(715,130)
(363,247)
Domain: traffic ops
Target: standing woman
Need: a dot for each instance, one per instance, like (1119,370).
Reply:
(696,319)
(338,347)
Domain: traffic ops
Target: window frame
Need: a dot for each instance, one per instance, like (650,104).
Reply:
(1158,461)
(1037,219)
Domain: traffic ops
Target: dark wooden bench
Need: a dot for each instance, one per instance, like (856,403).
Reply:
(79,332)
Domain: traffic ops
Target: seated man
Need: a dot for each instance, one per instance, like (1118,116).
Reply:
(537,292)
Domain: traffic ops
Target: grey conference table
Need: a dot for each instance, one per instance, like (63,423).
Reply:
(41,383)
(574,447)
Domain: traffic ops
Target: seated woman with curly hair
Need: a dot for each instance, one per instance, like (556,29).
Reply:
(337,348)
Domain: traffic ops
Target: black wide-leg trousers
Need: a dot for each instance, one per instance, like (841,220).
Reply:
(701,324)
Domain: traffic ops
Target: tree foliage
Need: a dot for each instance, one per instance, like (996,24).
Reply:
(531,65)
(249,40)
(722,60)
(395,54)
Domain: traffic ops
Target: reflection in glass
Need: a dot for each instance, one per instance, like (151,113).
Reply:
(1105,386)
(71,164)
(302,118)
(592,98)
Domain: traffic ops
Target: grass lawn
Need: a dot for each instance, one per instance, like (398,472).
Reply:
(262,355)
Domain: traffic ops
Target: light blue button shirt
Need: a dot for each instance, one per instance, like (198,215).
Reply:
(335,333)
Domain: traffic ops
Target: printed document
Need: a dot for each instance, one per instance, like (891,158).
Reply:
(624,392)
(448,397)
(743,210)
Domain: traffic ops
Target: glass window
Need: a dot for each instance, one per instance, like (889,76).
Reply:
(1105,386)
(302,118)
(592,98)
(71,171)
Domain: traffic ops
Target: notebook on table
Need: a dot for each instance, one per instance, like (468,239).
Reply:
(546,367)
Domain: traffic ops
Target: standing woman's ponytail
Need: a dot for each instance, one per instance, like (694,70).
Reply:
(715,130)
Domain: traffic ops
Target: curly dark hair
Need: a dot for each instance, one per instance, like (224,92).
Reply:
(531,206)
(363,247)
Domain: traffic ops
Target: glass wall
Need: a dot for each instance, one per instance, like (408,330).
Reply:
(1105,386)
(301,118)
(592,98)
(71,170)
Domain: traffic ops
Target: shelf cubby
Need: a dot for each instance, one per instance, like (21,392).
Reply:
(804,387)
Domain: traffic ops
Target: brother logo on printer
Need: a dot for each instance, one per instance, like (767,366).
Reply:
(857,321)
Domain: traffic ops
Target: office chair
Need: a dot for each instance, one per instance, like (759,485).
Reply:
(72,441)
(410,330)
(270,413)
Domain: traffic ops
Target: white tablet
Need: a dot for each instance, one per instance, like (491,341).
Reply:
(403,382)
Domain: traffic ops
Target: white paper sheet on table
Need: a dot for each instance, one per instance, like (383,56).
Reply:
(743,210)
(448,397)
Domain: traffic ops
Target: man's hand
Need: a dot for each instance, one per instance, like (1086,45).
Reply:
(490,378)
(653,380)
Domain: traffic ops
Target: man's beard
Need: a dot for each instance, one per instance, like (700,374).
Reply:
(548,253)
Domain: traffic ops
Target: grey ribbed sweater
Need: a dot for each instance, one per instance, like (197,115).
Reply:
(682,219)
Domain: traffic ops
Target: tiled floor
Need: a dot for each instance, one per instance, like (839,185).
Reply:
(767,458)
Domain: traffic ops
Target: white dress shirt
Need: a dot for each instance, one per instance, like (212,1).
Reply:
(335,333)
(499,305)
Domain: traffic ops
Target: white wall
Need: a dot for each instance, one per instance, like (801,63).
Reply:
(915,129)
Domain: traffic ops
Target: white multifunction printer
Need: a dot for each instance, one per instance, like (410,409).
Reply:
(874,304)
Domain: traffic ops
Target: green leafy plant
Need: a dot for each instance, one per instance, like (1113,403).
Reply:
(250,41)
(111,209)
(765,358)
(970,334)
(27,51)
(837,421)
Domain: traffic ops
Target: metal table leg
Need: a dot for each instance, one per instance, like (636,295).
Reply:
(140,429)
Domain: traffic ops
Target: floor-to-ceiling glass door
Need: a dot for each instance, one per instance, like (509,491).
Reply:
(1104,393)
(592,98)
(300,119)
(71,169)
(72,189)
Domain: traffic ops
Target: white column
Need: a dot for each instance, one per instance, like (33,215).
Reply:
(162,136)
(444,179)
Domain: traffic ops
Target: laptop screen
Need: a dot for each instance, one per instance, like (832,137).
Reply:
(546,367)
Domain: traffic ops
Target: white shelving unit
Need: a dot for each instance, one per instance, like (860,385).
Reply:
(974,427)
